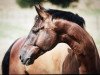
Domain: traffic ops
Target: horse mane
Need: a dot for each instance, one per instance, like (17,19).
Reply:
(66,15)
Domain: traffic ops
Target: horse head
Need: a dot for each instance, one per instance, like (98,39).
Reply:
(44,34)
(40,39)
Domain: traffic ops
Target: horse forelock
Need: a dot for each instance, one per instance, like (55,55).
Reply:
(67,16)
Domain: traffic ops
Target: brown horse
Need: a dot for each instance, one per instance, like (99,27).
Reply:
(48,44)
(51,24)
(78,39)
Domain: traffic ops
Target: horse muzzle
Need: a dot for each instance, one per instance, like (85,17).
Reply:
(28,56)
(25,61)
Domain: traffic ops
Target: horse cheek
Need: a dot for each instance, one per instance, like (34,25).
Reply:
(41,39)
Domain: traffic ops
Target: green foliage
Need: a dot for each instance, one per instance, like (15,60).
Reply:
(30,3)
(62,3)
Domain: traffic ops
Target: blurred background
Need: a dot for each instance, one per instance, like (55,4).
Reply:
(17,18)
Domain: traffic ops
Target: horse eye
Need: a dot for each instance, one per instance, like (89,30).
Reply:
(36,18)
(35,30)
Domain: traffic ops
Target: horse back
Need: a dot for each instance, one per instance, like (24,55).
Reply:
(11,63)
(5,62)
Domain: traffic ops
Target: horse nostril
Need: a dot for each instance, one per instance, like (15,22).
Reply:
(20,57)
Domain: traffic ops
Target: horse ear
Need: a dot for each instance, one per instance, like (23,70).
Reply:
(41,7)
(42,12)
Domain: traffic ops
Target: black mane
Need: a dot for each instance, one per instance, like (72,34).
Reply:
(67,16)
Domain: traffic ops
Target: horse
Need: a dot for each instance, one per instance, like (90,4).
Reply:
(45,23)
(80,41)
(35,30)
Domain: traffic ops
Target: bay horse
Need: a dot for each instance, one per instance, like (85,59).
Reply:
(49,22)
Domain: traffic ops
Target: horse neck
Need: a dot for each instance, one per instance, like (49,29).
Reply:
(91,55)
(86,45)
